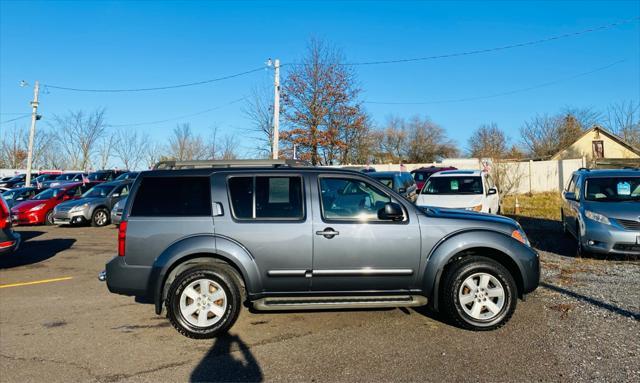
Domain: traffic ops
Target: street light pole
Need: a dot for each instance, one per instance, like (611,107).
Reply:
(276,109)
(32,131)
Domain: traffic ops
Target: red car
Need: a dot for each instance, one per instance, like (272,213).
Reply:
(422,175)
(39,209)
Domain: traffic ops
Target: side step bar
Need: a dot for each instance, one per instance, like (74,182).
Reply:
(338,302)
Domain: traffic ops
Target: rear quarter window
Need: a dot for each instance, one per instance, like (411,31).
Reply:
(173,197)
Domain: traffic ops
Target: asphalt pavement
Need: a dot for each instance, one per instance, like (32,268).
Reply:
(68,327)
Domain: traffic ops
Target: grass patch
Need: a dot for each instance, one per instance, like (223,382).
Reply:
(540,205)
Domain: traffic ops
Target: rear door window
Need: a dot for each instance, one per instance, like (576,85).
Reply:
(173,196)
(267,197)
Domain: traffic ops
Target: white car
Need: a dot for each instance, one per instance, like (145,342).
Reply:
(461,189)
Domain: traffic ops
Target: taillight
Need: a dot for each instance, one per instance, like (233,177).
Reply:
(122,238)
(5,215)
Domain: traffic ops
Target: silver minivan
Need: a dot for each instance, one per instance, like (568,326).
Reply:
(601,209)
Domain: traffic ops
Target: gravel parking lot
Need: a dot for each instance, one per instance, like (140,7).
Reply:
(583,323)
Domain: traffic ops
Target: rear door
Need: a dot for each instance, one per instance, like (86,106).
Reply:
(268,214)
(165,209)
(354,250)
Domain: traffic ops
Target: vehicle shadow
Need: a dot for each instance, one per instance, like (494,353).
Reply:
(229,360)
(31,252)
(546,235)
(27,235)
(592,301)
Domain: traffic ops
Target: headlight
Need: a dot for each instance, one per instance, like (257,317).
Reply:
(79,207)
(520,236)
(474,208)
(597,217)
(38,207)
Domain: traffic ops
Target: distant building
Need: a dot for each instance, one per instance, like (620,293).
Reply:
(596,144)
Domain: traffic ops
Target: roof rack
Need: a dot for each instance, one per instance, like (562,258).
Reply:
(199,164)
(587,169)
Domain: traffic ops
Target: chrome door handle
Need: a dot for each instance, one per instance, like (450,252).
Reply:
(328,233)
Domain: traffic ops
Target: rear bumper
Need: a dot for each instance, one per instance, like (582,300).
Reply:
(10,243)
(126,279)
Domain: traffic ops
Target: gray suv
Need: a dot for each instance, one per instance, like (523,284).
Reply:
(278,236)
(601,209)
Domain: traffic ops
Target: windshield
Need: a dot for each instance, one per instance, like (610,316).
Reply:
(126,176)
(49,193)
(8,194)
(613,189)
(453,185)
(386,181)
(98,191)
(100,176)
(65,177)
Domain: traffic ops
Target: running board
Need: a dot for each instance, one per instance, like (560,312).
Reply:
(338,302)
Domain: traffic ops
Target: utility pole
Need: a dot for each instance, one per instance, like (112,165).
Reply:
(32,131)
(276,109)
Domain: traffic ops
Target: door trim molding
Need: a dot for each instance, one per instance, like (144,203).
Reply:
(366,271)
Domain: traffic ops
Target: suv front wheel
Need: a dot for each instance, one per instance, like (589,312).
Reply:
(478,293)
(203,301)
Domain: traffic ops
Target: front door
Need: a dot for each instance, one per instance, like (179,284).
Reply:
(354,250)
(268,215)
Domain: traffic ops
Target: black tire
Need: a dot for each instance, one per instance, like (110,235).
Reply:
(97,218)
(580,251)
(222,275)
(48,219)
(453,279)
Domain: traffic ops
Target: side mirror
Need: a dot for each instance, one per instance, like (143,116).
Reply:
(492,191)
(402,190)
(571,196)
(391,211)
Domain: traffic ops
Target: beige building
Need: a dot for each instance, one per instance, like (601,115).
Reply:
(596,143)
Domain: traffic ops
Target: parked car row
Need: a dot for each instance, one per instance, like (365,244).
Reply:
(88,201)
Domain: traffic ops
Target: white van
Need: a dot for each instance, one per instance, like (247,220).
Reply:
(461,189)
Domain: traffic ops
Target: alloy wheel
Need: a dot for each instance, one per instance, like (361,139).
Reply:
(482,296)
(101,218)
(203,303)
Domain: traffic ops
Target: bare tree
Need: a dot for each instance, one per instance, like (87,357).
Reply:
(428,141)
(488,141)
(14,152)
(129,147)
(77,135)
(541,137)
(623,119)
(229,148)
(185,145)
(259,110)
(584,117)
(106,148)
(152,153)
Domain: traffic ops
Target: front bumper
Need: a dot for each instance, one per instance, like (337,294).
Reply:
(609,239)
(127,279)
(66,217)
(27,218)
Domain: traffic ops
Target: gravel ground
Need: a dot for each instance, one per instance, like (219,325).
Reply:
(596,303)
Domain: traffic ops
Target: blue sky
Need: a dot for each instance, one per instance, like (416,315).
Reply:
(148,44)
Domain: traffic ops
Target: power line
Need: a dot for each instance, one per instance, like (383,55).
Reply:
(545,84)
(493,49)
(15,119)
(14,114)
(179,117)
(156,88)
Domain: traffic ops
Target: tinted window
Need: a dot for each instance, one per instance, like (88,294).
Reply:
(174,196)
(453,185)
(241,193)
(275,197)
(349,199)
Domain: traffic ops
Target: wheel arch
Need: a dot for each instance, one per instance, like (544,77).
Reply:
(510,253)
(198,250)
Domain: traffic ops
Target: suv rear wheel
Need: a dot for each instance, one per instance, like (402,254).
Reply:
(204,301)
(478,293)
